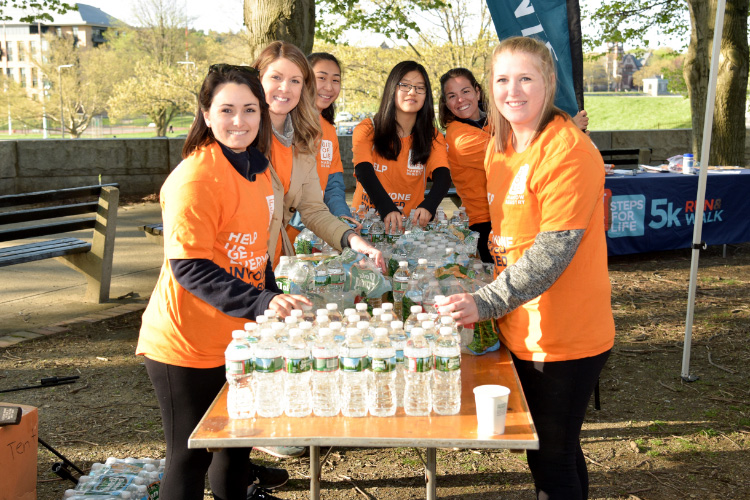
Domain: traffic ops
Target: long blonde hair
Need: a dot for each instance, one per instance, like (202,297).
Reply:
(500,128)
(305,118)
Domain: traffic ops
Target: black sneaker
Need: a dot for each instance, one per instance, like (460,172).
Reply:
(268,478)
(258,493)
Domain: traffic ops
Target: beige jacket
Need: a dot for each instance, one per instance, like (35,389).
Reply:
(305,196)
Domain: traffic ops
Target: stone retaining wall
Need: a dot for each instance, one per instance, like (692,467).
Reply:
(141,165)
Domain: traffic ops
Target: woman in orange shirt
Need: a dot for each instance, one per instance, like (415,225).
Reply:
(396,152)
(461,112)
(217,207)
(551,294)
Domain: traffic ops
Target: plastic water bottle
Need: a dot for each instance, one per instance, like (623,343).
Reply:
(361,213)
(367,224)
(398,340)
(362,311)
(321,279)
(307,313)
(400,284)
(333,312)
(353,375)
(417,390)
(392,235)
(366,332)
(273,316)
(446,389)
(282,273)
(280,331)
(239,370)
(429,296)
(298,396)
(382,375)
(269,364)
(377,231)
(413,296)
(307,331)
(325,368)
(335,276)
(464,218)
(413,319)
(430,332)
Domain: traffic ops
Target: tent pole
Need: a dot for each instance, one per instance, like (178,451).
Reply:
(698,245)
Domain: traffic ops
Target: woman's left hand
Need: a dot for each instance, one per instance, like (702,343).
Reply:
(358,244)
(461,308)
(421,216)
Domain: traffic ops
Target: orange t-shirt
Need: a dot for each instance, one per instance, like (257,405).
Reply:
(467,146)
(209,212)
(404,181)
(281,162)
(556,184)
(329,157)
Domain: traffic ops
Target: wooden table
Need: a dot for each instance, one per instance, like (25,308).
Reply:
(216,430)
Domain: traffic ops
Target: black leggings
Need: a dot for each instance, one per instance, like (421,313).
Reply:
(484,229)
(558,394)
(184,395)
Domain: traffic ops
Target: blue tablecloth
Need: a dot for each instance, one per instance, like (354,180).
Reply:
(656,211)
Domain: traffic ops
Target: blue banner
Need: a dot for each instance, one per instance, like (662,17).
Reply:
(546,20)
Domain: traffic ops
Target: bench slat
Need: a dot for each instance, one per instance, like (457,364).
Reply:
(39,251)
(47,229)
(36,214)
(157,229)
(14,200)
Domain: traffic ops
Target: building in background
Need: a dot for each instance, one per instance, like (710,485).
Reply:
(22,43)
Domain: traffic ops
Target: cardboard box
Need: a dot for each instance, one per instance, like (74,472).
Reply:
(18,456)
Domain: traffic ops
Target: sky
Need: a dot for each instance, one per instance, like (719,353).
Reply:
(226,15)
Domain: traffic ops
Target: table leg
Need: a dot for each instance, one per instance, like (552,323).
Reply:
(314,472)
(430,473)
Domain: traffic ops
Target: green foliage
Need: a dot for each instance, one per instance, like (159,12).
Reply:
(610,112)
(36,6)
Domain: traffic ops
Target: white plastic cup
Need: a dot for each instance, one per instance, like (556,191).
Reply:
(492,405)
(687,163)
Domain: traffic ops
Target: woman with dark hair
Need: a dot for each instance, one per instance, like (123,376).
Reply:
(397,151)
(327,71)
(551,294)
(462,115)
(289,87)
(217,207)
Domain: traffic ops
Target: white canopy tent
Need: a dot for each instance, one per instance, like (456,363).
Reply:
(698,245)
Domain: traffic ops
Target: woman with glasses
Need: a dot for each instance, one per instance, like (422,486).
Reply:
(218,208)
(290,91)
(462,115)
(399,149)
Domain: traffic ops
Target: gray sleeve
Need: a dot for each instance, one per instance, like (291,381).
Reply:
(530,276)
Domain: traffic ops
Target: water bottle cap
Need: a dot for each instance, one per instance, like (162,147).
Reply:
(428,325)
(266,333)
(322,312)
(349,311)
(446,320)
(422,317)
(238,334)
(422,262)
(439,297)
(307,307)
(387,306)
(446,330)
(361,306)
(331,306)
(386,317)
(323,332)
(250,326)
(417,331)
(403,263)
(290,320)
(377,311)
(354,318)
(689,155)
(269,313)
(261,319)
(277,327)
(415,309)
(397,325)
(335,325)
(295,332)
(350,332)
(449,250)
(381,332)
(305,325)
(363,325)
(297,313)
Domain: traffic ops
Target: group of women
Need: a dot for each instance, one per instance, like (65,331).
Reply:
(261,162)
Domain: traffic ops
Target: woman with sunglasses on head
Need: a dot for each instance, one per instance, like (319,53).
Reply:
(551,293)
(217,207)
(462,115)
(397,151)
(289,85)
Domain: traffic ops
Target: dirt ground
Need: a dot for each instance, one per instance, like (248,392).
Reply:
(655,437)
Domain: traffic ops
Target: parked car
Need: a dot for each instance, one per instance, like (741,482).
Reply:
(345,129)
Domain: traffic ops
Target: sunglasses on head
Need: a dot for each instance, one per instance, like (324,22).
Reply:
(223,68)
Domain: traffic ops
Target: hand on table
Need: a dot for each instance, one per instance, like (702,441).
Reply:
(421,216)
(393,221)
(284,303)
(461,308)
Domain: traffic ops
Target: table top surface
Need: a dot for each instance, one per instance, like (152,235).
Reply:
(217,430)
(667,175)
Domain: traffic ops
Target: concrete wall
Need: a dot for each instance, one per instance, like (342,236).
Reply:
(141,165)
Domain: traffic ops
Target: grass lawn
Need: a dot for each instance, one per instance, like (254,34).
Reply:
(608,112)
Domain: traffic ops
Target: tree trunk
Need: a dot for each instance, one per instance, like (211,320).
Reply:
(728,132)
(288,20)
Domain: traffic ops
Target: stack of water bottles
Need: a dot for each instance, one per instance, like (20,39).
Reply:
(120,479)
(352,363)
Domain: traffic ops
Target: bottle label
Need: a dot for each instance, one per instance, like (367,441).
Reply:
(400,284)
(336,278)
(239,367)
(420,365)
(325,364)
(283,284)
(296,365)
(321,280)
(269,365)
(400,356)
(392,237)
(447,363)
(383,365)
(377,237)
(353,364)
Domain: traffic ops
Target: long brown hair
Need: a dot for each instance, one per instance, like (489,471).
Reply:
(500,128)
(305,118)
(218,74)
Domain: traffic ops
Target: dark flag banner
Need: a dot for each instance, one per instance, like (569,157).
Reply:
(548,21)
